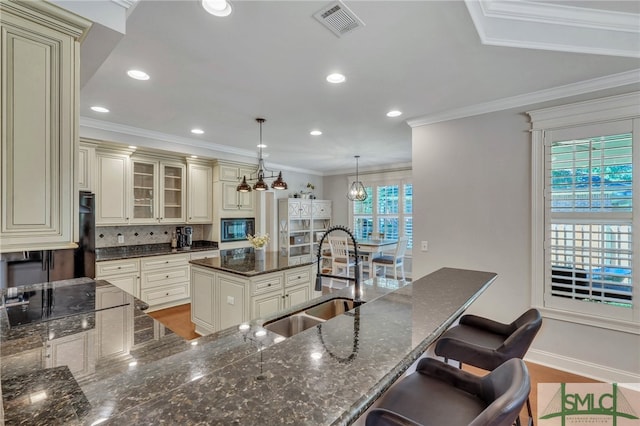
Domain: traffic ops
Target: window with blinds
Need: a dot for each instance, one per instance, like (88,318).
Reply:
(386,211)
(589,201)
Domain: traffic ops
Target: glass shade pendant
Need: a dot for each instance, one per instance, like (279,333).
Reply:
(244,186)
(357,192)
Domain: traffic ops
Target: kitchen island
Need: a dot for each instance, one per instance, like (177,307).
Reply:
(237,287)
(322,376)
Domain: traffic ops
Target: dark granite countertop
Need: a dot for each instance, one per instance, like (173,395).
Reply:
(142,250)
(243,262)
(325,375)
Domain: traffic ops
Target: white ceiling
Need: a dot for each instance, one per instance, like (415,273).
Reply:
(270,59)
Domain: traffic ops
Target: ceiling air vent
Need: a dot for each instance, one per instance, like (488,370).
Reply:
(338,18)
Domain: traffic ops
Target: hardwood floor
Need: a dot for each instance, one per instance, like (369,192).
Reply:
(178,319)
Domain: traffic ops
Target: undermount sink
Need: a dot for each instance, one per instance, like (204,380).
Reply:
(294,324)
(317,314)
(330,308)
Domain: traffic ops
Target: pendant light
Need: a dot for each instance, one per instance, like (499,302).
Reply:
(357,192)
(261,173)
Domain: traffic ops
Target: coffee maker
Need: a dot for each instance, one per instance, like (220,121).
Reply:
(184,236)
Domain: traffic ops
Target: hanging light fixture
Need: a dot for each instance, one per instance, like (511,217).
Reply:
(356,190)
(261,173)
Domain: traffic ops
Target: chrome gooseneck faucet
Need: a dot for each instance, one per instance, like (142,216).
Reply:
(357,301)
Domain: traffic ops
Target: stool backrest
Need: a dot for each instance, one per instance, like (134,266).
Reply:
(525,328)
(505,389)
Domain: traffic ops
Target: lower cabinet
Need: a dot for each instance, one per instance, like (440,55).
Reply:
(76,351)
(221,300)
(160,281)
(124,274)
(164,280)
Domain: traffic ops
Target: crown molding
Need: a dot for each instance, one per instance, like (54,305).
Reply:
(120,129)
(573,89)
(538,25)
(99,130)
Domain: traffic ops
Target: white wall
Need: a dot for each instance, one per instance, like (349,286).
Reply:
(471,182)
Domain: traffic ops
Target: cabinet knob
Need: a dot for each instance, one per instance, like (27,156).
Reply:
(166,261)
(119,267)
(269,285)
(167,294)
(167,276)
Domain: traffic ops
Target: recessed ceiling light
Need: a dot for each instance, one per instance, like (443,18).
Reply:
(138,75)
(336,78)
(217,7)
(315,133)
(261,145)
(99,109)
(394,113)
(197,131)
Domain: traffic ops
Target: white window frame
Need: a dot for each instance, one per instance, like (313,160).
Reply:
(400,178)
(589,113)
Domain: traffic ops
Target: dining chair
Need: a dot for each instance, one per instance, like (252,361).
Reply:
(487,344)
(396,260)
(341,260)
(439,394)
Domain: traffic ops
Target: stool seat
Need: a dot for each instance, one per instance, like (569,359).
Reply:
(439,394)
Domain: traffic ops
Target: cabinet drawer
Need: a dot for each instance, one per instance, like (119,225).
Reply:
(116,267)
(266,285)
(165,277)
(166,294)
(205,254)
(169,261)
(297,277)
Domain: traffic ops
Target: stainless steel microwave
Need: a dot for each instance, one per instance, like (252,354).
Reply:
(236,229)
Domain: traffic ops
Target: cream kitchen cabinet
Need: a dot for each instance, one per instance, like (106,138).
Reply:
(280,291)
(221,300)
(158,191)
(238,201)
(112,187)
(226,177)
(114,328)
(218,300)
(39,90)
(86,166)
(200,192)
(165,280)
(76,351)
(124,274)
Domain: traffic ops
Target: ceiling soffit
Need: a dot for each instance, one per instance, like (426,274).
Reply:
(537,25)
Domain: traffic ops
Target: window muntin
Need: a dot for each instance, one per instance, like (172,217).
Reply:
(590,249)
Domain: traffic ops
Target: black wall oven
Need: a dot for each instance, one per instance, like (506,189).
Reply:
(236,229)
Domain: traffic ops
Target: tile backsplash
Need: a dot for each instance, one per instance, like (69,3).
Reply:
(107,236)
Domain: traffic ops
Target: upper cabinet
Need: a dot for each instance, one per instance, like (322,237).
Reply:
(40,48)
(112,187)
(158,191)
(200,192)
(227,176)
(86,166)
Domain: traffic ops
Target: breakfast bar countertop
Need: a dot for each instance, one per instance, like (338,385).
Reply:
(327,375)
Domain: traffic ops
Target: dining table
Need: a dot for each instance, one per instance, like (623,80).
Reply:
(369,248)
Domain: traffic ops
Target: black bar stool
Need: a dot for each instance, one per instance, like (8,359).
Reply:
(486,344)
(439,394)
